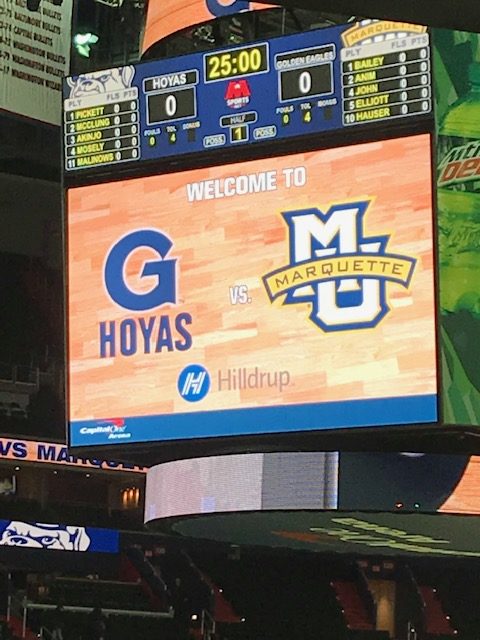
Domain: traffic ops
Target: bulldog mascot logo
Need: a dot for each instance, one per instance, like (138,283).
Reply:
(45,536)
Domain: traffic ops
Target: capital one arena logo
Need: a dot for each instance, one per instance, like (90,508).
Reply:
(338,269)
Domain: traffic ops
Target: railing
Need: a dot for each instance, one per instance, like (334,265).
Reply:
(32,606)
(19,374)
(411,631)
(366,594)
(410,605)
(132,613)
(414,585)
(15,604)
(201,577)
(138,560)
(45,633)
(208,625)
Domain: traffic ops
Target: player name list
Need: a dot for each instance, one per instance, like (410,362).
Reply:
(386,80)
(105,132)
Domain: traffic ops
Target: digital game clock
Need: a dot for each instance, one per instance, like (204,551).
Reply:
(244,61)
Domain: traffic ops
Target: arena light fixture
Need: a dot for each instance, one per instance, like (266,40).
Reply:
(83,42)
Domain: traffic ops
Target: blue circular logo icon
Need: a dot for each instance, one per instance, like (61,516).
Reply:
(193,383)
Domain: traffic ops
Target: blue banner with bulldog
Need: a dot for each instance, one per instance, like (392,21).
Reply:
(59,537)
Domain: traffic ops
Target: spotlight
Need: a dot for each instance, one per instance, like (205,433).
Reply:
(399,505)
(33,5)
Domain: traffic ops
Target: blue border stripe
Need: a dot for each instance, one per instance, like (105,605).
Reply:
(257,421)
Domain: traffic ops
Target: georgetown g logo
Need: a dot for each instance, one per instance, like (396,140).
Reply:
(339,271)
(219,9)
(164,271)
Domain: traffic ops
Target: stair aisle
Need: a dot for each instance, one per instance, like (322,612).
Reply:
(223,611)
(354,610)
(436,622)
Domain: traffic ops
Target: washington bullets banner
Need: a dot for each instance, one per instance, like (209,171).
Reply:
(303,282)
(34,57)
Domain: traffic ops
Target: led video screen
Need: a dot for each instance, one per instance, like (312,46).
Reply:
(288,294)
(396,503)
(244,482)
(348,481)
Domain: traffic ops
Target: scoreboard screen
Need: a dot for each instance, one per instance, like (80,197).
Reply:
(297,85)
(280,295)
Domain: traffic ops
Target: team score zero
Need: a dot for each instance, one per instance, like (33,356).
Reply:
(238,62)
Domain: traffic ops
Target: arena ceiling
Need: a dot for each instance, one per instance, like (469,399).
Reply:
(453,14)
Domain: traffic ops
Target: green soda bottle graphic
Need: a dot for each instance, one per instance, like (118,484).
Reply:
(458,194)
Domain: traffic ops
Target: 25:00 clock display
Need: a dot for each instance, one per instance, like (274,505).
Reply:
(236,62)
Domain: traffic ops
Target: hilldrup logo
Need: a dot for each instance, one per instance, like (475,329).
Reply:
(141,334)
(193,383)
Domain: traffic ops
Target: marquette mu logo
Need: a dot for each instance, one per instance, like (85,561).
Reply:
(370,31)
(333,266)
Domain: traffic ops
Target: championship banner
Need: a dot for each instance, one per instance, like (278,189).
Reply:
(165,17)
(279,295)
(34,57)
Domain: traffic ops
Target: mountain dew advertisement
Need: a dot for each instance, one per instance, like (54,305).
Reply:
(457,85)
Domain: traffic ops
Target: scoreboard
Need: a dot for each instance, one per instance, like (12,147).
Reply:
(108,130)
(379,83)
(219,281)
(298,85)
